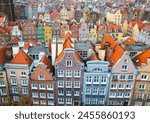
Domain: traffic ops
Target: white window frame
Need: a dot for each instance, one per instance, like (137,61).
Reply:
(76,93)
(69,63)
(41,77)
(102,91)
(15,90)
(25,91)
(34,86)
(142,87)
(35,95)
(144,77)
(76,84)
(68,100)
(23,74)
(60,92)
(35,101)
(12,73)
(77,73)
(2,84)
(68,73)
(68,82)
(60,73)
(24,82)
(50,96)
(43,102)
(68,93)
(124,67)
(42,95)
(88,79)
(60,84)
(50,87)
(60,100)
(12,81)
(42,87)
(88,90)
(95,91)
(16,98)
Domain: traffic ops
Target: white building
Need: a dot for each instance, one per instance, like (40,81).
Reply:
(16,32)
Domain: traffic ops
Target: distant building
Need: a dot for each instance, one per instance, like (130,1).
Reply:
(40,34)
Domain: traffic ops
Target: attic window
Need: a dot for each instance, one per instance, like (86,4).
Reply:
(137,60)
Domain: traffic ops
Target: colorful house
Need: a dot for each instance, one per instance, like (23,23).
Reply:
(69,74)
(16,32)
(64,28)
(40,34)
(42,83)
(63,13)
(47,34)
(141,95)
(56,29)
(93,35)
(74,31)
(18,71)
(55,15)
(96,82)
(83,32)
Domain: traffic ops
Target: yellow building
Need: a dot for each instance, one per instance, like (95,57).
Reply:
(47,35)
(141,95)
(93,35)
(114,16)
(115,31)
(125,27)
(63,14)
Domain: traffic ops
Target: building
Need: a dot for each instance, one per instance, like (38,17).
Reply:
(69,75)
(64,13)
(18,71)
(56,29)
(83,32)
(64,29)
(47,35)
(96,82)
(93,35)
(74,31)
(123,73)
(42,83)
(55,15)
(16,32)
(40,34)
(141,95)
(7,9)
(115,31)
(114,16)
(28,31)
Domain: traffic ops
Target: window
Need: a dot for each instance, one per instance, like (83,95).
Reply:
(43,102)
(127,95)
(42,95)
(15,90)
(137,103)
(124,67)
(76,93)
(122,77)
(13,81)
(42,86)
(140,96)
(115,77)
(68,93)
(3,91)
(103,80)
(77,73)
(23,74)
(60,84)
(60,100)
(114,86)
(76,84)
(87,100)
(88,90)
(142,87)
(94,91)
(121,86)
(102,91)
(34,86)
(112,95)
(68,73)
(128,86)
(2,83)
(24,82)
(50,96)
(120,95)
(35,95)
(68,100)
(16,98)
(144,77)
(12,73)
(25,91)
(94,101)
(96,79)
(50,102)
(68,84)
(60,73)
(147,103)
(101,101)
(41,77)
(60,92)
(68,63)
(88,79)
(130,77)
(1,74)
(50,87)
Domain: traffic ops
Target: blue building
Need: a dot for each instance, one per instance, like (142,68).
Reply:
(96,82)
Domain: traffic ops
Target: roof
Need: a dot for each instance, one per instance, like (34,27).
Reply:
(79,58)
(46,61)
(93,57)
(114,27)
(60,56)
(130,40)
(67,36)
(133,22)
(22,58)
(38,49)
(142,58)
(2,19)
(110,40)
(29,43)
(2,56)
(83,46)
(67,44)
(117,54)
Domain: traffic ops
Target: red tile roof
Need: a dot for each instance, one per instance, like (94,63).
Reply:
(27,45)
(2,56)
(67,36)
(67,44)
(130,40)
(60,56)
(46,61)
(142,58)
(113,27)
(108,39)
(133,22)
(22,58)
(117,54)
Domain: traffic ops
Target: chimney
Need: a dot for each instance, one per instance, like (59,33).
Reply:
(53,50)
(60,47)
(15,50)
(101,54)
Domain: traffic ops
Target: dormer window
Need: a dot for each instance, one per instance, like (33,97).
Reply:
(137,60)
